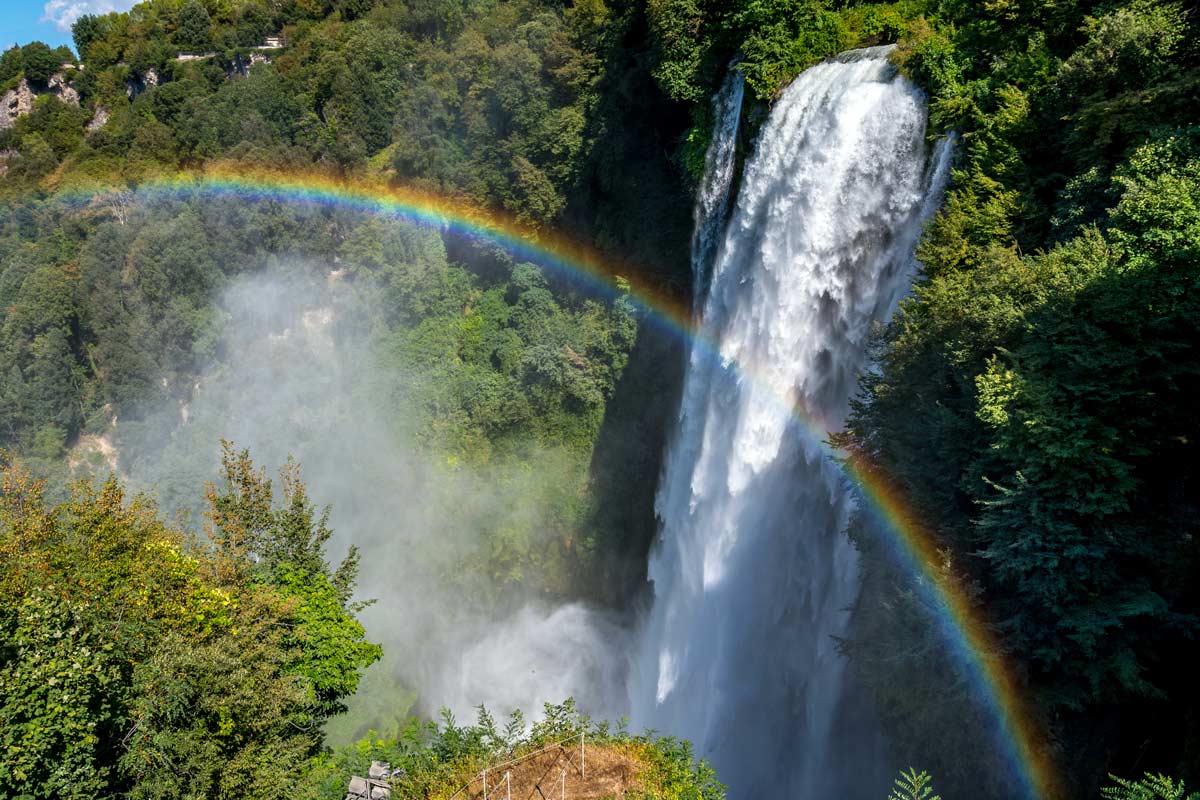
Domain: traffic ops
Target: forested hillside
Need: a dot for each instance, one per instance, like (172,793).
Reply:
(1033,401)
(1036,398)
(110,307)
(130,317)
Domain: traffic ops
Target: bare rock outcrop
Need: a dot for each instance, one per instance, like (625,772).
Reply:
(136,86)
(99,119)
(16,103)
(58,86)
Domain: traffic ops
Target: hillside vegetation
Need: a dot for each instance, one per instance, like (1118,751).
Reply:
(136,662)
(562,752)
(1035,399)
(141,661)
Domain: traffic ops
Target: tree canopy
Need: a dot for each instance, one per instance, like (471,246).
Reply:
(139,661)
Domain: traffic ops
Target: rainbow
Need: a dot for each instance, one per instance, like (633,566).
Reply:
(964,628)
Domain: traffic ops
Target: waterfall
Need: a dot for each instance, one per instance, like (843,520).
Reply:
(712,198)
(753,574)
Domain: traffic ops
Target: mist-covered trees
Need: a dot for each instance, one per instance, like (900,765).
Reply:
(118,339)
(123,314)
(136,660)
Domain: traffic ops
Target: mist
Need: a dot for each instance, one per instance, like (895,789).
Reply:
(303,372)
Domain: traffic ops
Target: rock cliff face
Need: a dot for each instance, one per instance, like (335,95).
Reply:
(58,85)
(16,103)
(98,119)
(136,86)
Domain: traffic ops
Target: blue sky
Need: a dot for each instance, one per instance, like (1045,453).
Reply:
(23,21)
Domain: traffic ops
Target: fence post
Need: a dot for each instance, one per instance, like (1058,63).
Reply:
(564,783)
(508,781)
(485,783)
(583,754)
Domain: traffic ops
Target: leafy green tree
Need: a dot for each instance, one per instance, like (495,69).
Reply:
(59,124)
(35,158)
(10,64)
(193,28)
(85,30)
(254,23)
(682,41)
(39,62)
(783,37)
(137,662)
(352,9)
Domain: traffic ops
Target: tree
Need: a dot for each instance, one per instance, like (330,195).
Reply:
(35,158)
(253,24)
(86,29)
(352,9)
(39,62)
(682,43)
(137,663)
(193,29)
(10,64)
(328,646)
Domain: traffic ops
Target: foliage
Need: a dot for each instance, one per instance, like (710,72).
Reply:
(192,29)
(1151,787)
(913,785)
(137,661)
(773,40)
(36,61)
(489,103)
(438,759)
(784,37)
(1032,399)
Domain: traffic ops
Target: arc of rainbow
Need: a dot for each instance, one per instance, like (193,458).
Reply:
(963,627)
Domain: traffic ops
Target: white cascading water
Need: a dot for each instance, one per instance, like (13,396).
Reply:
(712,197)
(754,576)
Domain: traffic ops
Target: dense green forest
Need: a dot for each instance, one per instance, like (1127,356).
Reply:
(1030,400)
(1036,397)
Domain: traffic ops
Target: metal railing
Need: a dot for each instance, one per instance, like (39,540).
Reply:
(483,774)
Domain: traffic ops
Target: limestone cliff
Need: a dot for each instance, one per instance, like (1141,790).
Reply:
(18,102)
